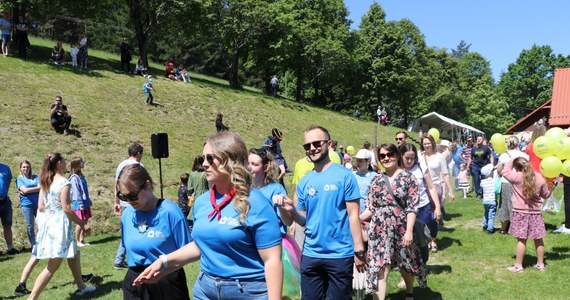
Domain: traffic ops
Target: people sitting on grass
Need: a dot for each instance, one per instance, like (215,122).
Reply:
(182,74)
(140,68)
(57,54)
(169,72)
(60,118)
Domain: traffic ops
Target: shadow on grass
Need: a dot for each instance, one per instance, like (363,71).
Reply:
(419,293)
(447,242)
(105,240)
(439,269)
(448,216)
(549,226)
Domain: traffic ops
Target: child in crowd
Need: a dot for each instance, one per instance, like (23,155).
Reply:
(73,51)
(147,90)
(182,75)
(183,194)
(80,198)
(529,188)
(489,200)
(140,68)
(463,180)
(347,161)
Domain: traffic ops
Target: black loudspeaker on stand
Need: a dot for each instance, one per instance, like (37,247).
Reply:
(159,144)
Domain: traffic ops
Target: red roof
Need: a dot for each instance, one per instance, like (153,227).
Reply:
(560,111)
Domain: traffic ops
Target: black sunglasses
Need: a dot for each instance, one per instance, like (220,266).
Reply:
(316,144)
(131,196)
(209,158)
(384,155)
(399,139)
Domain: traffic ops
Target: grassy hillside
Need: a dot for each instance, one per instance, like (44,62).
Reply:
(109,113)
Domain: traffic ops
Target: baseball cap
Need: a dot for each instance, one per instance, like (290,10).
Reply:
(363,154)
(445,143)
(486,170)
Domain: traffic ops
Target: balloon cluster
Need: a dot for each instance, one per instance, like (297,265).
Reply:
(553,148)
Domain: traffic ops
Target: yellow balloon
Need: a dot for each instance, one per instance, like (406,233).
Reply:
(350,150)
(563,149)
(544,146)
(500,147)
(434,133)
(566,167)
(551,166)
(496,138)
(555,133)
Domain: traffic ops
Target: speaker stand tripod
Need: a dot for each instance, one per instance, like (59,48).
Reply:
(160,175)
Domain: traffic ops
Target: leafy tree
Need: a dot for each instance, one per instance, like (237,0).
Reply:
(462,49)
(527,84)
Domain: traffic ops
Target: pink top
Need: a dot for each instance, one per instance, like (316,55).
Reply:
(462,176)
(521,204)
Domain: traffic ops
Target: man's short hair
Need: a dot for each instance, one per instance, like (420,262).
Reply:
(366,145)
(135,149)
(402,132)
(58,98)
(314,126)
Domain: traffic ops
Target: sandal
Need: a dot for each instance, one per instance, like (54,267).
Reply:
(539,267)
(515,269)
(433,248)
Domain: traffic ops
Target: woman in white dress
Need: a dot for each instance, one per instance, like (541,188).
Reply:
(437,167)
(55,230)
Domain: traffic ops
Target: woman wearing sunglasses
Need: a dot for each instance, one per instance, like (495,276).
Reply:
(236,232)
(151,227)
(391,207)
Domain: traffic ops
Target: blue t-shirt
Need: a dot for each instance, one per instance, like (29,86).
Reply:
(457,155)
(79,192)
(149,234)
(269,191)
(5,26)
(30,199)
(323,197)
(5,178)
(363,181)
(228,250)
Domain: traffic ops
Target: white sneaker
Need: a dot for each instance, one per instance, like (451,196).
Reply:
(562,230)
(80,244)
(87,289)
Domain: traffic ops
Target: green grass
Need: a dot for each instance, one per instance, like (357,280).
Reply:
(109,114)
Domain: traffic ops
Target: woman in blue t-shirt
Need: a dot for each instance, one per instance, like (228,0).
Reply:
(236,232)
(28,186)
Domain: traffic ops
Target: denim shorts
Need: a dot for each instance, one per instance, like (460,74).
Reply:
(6,38)
(209,287)
(6,212)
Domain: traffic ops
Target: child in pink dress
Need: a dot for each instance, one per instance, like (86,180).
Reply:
(463,180)
(529,188)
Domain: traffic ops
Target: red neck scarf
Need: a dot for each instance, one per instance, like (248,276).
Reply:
(218,207)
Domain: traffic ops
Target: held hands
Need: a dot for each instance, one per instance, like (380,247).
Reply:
(408,239)
(283,202)
(150,275)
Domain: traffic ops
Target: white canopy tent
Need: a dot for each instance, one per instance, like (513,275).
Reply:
(449,129)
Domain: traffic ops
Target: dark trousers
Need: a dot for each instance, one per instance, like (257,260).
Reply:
(22,45)
(329,279)
(567,201)
(127,63)
(61,122)
(172,286)
(476,173)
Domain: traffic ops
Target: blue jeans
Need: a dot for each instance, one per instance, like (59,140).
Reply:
(476,173)
(489,216)
(427,217)
(209,287)
(326,278)
(29,212)
(456,169)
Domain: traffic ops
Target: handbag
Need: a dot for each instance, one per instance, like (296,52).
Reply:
(422,234)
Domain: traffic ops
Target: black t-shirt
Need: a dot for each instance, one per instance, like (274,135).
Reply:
(58,114)
(481,156)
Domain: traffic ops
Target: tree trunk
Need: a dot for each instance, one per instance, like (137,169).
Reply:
(300,78)
(234,69)
(135,12)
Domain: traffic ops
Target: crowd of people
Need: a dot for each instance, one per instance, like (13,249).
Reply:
(346,225)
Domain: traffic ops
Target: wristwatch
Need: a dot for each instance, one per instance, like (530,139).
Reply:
(360,253)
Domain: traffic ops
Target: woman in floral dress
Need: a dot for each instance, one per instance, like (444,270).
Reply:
(392,225)
(55,229)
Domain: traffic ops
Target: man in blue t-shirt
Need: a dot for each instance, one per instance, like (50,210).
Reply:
(6,206)
(480,156)
(328,205)
(456,150)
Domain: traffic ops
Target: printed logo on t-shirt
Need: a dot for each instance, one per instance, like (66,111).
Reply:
(155,234)
(330,187)
(311,191)
(229,221)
